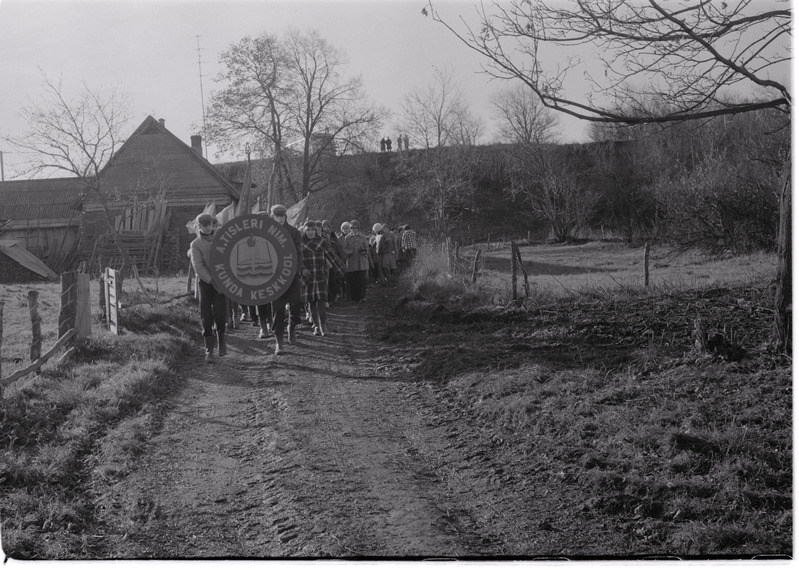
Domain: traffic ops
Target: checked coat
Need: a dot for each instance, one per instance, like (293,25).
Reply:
(313,260)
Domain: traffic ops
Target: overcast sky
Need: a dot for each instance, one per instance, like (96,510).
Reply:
(147,49)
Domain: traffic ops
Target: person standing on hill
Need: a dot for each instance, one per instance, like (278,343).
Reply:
(213,304)
(293,296)
(356,249)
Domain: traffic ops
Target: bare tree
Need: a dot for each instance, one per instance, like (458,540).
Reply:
(253,104)
(290,94)
(438,120)
(522,118)
(550,185)
(77,136)
(689,54)
(437,114)
(441,182)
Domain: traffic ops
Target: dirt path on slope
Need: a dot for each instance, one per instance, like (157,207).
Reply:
(321,453)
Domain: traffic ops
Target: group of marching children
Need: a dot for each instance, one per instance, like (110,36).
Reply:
(376,258)
(332,266)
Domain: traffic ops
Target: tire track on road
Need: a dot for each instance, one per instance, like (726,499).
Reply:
(309,454)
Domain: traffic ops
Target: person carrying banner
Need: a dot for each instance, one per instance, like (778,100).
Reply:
(213,304)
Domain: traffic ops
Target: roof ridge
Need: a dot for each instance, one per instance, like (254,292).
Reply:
(151,121)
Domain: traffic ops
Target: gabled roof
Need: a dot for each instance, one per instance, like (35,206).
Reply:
(40,199)
(25,258)
(153,146)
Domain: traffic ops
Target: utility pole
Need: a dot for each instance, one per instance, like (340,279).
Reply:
(202,97)
(2,169)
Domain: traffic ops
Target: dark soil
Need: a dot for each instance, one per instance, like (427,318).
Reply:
(579,430)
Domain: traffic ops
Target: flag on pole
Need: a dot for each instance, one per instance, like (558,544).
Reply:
(226,214)
(256,208)
(297,213)
(245,197)
(210,208)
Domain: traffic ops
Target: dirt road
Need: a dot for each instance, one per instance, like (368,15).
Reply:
(323,452)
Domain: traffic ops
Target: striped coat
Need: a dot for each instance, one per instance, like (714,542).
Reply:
(313,260)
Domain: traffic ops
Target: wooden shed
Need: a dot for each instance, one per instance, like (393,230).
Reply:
(18,265)
(43,217)
(153,185)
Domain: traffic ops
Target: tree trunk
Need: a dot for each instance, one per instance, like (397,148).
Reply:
(115,238)
(783,298)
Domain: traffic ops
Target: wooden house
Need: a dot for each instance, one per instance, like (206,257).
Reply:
(152,186)
(42,216)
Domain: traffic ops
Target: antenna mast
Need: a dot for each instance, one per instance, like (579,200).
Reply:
(202,96)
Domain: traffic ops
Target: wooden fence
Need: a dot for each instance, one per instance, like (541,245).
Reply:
(517,264)
(74,325)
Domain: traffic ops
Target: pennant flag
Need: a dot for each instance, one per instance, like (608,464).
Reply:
(297,213)
(226,214)
(257,207)
(210,208)
(245,197)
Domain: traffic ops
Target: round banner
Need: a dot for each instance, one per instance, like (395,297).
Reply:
(253,259)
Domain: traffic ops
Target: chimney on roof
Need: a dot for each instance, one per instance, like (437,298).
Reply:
(197,144)
(162,121)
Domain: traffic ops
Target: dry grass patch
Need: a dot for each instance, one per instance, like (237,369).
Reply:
(596,388)
(84,420)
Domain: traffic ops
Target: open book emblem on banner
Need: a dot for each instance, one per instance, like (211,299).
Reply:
(253,259)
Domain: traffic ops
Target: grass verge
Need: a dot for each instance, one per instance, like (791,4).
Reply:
(602,392)
(82,421)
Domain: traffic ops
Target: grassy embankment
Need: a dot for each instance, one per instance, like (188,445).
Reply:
(686,451)
(76,424)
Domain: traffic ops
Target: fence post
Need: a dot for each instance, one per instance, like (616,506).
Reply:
(449,255)
(107,291)
(475,265)
(69,303)
(36,325)
(189,277)
(2,304)
(141,286)
(646,264)
(524,272)
(113,301)
(83,309)
(102,294)
(513,271)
